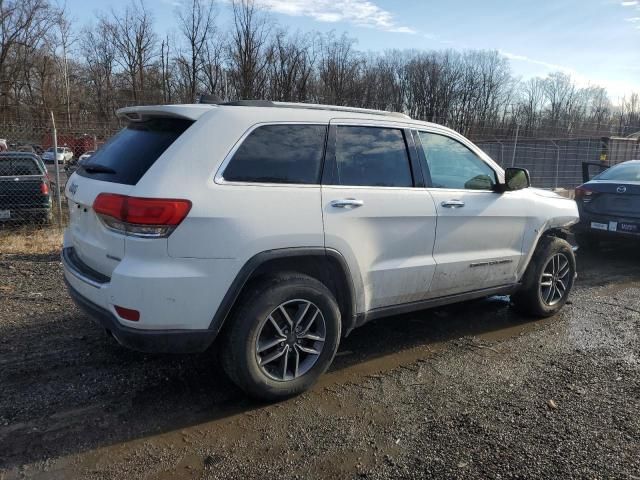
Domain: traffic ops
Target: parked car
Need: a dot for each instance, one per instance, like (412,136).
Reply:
(37,149)
(70,168)
(86,155)
(24,189)
(64,155)
(25,148)
(279,228)
(609,205)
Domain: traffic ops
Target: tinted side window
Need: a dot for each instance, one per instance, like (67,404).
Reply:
(453,165)
(279,154)
(134,149)
(372,156)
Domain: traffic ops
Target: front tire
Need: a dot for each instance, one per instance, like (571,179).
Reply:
(548,279)
(282,337)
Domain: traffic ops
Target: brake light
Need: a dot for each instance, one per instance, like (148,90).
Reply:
(127,313)
(583,194)
(44,188)
(141,217)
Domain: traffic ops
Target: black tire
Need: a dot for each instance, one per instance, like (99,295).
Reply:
(528,300)
(587,241)
(240,336)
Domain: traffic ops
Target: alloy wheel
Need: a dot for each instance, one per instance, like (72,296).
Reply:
(290,340)
(555,279)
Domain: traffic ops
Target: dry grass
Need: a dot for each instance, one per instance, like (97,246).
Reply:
(31,241)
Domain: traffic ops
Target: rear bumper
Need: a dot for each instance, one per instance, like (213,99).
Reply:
(26,215)
(150,341)
(586,220)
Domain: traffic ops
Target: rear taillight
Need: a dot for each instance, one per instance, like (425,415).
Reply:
(44,188)
(141,217)
(583,194)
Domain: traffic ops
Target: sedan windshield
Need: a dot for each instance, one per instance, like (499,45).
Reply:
(625,172)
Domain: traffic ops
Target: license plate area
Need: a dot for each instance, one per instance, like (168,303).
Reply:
(628,227)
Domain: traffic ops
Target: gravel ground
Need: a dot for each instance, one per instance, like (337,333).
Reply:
(469,391)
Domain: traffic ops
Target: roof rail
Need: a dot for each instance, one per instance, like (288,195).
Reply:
(308,106)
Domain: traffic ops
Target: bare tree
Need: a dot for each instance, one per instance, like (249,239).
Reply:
(338,69)
(247,49)
(290,66)
(99,54)
(213,68)
(135,43)
(196,21)
(24,29)
(120,60)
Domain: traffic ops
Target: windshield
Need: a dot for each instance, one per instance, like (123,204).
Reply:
(625,172)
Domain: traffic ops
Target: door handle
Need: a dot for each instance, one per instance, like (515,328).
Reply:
(453,203)
(347,203)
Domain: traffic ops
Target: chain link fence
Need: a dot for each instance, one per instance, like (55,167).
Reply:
(33,177)
(36,161)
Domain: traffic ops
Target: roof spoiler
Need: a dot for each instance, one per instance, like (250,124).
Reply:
(185,112)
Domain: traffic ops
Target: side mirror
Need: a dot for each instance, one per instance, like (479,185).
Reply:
(516,179)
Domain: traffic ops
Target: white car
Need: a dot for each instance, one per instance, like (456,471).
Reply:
(64,155)
(85,156)
(279,228)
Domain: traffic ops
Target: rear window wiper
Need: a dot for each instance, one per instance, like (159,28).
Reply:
(97,169)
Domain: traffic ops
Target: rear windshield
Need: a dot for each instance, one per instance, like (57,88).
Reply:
(625,172)
(129,154)
(18,166)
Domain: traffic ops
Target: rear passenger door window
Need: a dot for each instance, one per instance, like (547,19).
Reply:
(375,212)
(372,156)
(287,153)
(452,165)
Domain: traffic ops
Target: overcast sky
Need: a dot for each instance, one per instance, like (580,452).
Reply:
(596,41)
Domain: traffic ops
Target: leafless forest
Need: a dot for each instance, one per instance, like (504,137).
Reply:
(85,69)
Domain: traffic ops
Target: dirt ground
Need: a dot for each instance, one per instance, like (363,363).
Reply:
(470,391)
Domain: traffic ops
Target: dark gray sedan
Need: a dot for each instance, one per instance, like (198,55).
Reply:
(609,205)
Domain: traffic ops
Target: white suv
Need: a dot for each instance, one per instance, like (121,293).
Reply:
(279,228)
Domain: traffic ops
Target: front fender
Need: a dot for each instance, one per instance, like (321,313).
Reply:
(563,214)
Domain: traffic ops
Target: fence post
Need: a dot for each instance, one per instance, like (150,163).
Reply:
(54,134)
(515,146)
(557,162)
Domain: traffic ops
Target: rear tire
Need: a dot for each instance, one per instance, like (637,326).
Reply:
(267,343)
(548,280)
